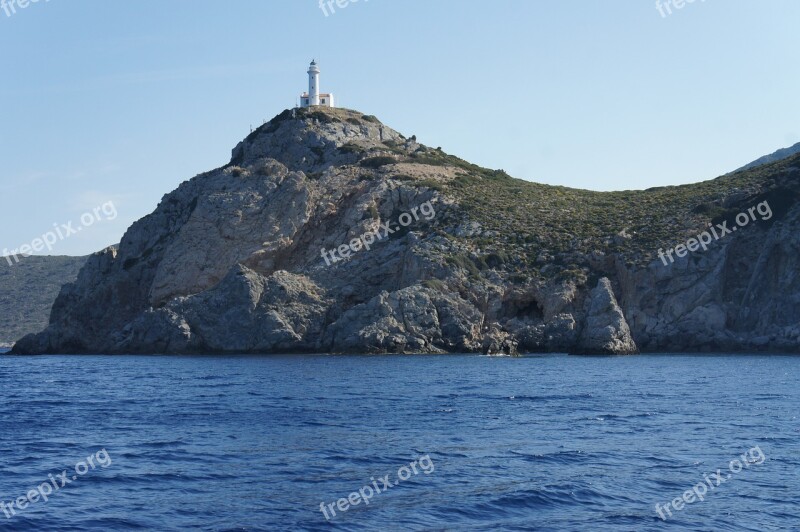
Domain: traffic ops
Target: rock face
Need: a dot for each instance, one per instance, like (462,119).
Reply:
(744,295)
(330,232)
(606,331)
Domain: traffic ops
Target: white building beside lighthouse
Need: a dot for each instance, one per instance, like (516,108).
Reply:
(313,96)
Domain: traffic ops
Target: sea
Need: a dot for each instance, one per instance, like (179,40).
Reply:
(456,442)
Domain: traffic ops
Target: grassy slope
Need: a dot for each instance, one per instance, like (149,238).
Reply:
(548,230)
(542,224)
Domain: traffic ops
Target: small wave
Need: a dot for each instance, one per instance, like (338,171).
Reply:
(559,457)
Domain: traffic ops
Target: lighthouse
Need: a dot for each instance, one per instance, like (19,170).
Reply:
(313,96)
(313,84)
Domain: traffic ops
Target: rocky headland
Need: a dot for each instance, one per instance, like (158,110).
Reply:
(268,254)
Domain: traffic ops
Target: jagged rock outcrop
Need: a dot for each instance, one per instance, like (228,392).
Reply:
(605,330)
(330,232)
(413,319)
(499,342)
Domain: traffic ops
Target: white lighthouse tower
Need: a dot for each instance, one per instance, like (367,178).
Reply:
(313,96)
(313,84)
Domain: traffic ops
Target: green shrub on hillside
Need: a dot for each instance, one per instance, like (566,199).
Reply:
(377,162)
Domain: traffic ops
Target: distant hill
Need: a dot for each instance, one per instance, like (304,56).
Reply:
(28,290)
(779,155)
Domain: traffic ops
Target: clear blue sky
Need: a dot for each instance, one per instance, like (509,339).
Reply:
(121,101)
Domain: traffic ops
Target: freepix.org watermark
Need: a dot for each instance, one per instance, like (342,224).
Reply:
(665,7)
(62,232)
(9,7)
(328,7)
(54,483)
(754,456)
(370,490)
(717,231)
(366,240)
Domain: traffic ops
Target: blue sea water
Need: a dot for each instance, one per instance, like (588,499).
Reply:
(535,443)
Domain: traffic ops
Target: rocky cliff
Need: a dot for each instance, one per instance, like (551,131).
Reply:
(330,232)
